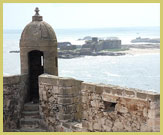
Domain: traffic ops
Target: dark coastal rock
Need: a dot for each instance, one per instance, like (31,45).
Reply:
(14,51)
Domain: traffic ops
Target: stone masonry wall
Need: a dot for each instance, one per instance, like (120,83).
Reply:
(60,101)
(14,95)
(69,105)
(110,108)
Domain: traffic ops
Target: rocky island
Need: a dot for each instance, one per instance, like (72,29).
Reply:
(146,40)
(95,46)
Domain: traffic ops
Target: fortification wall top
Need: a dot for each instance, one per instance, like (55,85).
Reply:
(120,91)
(14,79)
(101,88)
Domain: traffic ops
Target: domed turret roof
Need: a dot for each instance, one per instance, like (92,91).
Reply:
(37,30)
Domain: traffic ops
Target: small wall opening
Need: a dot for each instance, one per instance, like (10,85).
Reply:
(36,68)
(109,106)
(56,61)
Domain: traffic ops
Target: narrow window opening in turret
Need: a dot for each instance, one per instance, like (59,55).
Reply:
(109,106)
(42,61)
(56,61)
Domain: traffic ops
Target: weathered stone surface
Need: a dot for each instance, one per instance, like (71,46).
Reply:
(60,102)
(15,79)
(121,109)
(48,79)
(104,108)
(128,109)
(14,96)
(99,89)
(141,95)
(153,97)
(129,93)
(88,87)
(117,91)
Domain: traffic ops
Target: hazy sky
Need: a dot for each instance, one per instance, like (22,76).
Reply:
(17,16)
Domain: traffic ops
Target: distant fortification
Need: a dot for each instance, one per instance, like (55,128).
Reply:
(40,101)
(98,45)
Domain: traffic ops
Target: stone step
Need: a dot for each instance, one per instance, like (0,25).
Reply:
(32,130)
(31,107)
(29,122)
(30,114)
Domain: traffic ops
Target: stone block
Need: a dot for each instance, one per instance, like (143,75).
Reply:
(51,99)
(55,90)
(66,109)
(106,128)
(99,89)
(145,112)
(141,95)
(154,123)
(85,124)
(117,91)
(109,98)
(97,126)
(153,97)
(44,96)
(154,105)
(76,90)
(129,93)
(118,126)
(94,103)
(65,100)
(95,96)
(88,87)
(66,124)
(85,115)
(49,79)
(145,128)
(11,79)
(66,91)
(107,89)
(85,106)
(66,117)
(77,99)
(84,94)
(77,116)
(121,109)
(108,122)
(154,113)
(68,82)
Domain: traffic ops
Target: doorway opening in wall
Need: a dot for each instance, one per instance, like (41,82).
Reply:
(36,68)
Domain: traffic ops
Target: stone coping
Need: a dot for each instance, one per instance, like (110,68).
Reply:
(102,89)
(89,87)
(59,81)
(13,79)
(120,91)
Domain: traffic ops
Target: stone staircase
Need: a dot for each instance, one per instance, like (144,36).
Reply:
(30,120)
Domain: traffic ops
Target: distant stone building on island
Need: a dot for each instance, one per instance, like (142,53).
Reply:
(38,100)
(99,45)
(66,46)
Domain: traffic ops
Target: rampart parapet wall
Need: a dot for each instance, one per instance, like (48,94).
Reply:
(60,101)
(68,105)
(14,95)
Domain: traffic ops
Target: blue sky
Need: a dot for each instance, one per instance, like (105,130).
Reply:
(85,15)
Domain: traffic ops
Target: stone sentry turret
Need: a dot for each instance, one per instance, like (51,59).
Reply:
(38,51)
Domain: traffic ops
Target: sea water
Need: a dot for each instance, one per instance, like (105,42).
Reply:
(134,71)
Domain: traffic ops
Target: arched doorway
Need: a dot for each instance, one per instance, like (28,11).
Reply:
(36,68)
